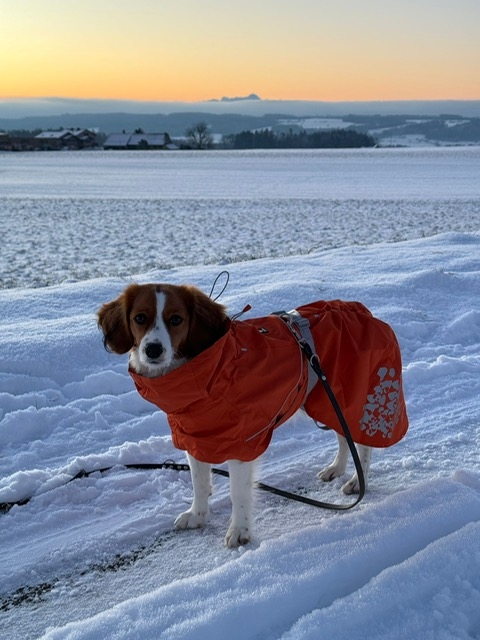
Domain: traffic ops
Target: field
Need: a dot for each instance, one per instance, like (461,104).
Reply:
(97,558)
(68,216)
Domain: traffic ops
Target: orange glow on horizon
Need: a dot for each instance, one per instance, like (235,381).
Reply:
(309,51)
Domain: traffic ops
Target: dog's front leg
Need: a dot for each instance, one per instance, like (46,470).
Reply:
(241,479)
(196,516)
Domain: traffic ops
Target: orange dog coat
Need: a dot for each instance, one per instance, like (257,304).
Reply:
(225,403)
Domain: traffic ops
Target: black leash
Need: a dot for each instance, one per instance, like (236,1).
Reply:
(314,362)
(178,466)
(295,322)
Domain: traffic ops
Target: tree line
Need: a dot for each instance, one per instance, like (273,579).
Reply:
(323,139)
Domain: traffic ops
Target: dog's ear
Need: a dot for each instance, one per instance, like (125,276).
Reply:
(113,321)
(208,322)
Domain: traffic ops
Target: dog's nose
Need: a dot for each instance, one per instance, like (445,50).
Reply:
(153,350)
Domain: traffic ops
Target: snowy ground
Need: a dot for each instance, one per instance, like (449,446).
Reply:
(73,216)
(97,558)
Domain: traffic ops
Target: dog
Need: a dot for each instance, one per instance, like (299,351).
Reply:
(211,374)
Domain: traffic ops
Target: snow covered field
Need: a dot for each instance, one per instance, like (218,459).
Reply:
(73,216)
(97,558)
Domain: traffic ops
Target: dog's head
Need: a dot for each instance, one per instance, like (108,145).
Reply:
(162,325)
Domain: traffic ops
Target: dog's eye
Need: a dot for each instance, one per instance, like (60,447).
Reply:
(175,320)
(140,318)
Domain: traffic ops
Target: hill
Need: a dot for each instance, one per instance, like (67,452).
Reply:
(396,122)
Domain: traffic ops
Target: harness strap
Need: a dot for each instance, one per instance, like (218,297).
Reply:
(303,325)
(302,334)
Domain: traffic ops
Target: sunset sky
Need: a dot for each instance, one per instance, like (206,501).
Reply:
(191,50)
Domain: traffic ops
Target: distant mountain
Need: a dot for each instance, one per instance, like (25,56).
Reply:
(251,96)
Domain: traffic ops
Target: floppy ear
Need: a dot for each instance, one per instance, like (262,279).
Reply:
(113,321)
(208,322)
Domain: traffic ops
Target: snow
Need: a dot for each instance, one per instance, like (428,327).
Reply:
(65,215)
(97,558)
(318,123)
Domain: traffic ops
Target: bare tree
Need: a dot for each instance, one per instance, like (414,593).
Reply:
(198,136)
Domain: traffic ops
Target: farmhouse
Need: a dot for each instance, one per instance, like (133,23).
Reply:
(152,141)
(16,143)
(66,139)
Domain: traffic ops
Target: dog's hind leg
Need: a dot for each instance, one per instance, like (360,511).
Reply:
(339,465)
(241,481)
(196,516)
(353,485)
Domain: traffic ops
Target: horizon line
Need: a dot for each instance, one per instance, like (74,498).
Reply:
(227,99)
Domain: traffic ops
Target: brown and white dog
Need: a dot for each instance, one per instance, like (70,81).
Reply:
(163,326)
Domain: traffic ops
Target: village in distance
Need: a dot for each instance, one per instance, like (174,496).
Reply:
(202,130)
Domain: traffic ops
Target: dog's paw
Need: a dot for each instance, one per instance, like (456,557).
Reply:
(190,520)
(330,473)
(352,486)
(236,536)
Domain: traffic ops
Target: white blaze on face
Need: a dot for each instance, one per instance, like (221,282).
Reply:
(156,347)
